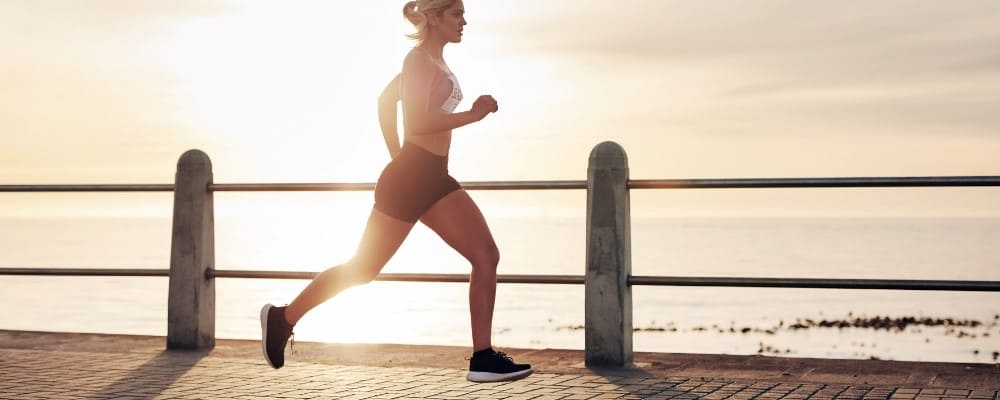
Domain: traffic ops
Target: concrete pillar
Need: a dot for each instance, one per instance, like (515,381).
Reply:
(191,301)
(608,297)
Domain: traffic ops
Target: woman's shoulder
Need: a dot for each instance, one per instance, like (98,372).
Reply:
(416,55)
(417,59)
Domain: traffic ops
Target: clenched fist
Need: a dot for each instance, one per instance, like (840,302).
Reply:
(484,105)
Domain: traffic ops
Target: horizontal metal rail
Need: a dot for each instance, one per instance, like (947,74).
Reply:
(85,271)
(738,183)
(401,277)
(291,187)
(89,188)
(795,283)
(335,187)
(754,183)
(815,283)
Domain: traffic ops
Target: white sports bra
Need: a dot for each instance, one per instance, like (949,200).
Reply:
(451,103)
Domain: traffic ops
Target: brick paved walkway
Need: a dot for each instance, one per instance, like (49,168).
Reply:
(60,374)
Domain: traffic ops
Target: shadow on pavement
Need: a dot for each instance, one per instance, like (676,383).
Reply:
(154,376)
(632,380)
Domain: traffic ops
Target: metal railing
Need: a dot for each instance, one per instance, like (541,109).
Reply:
(608,275)
(738,183)
(633,280)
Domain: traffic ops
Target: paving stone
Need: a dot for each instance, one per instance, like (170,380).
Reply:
(64,375)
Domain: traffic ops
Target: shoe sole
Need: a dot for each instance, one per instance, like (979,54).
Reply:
(486,377)
(263,336)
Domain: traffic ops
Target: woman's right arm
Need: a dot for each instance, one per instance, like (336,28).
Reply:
(387,116)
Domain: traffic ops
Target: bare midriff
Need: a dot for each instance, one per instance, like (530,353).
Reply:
(437,143)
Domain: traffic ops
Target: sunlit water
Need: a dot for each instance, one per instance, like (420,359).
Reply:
(671,319)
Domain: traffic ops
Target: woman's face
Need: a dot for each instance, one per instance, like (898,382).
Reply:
(450,22)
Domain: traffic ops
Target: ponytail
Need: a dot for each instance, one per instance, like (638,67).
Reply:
(416,12)
(411,14)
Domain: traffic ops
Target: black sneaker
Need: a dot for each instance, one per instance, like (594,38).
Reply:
(491,366)
(275,333)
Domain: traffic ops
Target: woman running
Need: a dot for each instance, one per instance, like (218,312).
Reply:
(414,186)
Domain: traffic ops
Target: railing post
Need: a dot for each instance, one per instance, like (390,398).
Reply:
(608,297)
(191,301)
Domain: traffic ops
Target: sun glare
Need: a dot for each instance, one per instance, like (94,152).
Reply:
(290,83)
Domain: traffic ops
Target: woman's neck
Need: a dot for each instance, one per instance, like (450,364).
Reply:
(434,48)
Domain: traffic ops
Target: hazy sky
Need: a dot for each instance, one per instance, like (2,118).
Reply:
(113,91)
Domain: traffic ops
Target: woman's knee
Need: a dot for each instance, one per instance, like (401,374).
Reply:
(359,273)
(486,258)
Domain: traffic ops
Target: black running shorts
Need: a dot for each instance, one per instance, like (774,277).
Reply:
(412,183)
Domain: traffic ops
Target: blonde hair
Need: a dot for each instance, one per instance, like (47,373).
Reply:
(416,12)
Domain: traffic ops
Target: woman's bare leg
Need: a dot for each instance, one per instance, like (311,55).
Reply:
(458,221)
(382,237)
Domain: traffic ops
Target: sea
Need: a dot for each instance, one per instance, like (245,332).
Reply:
(824,323)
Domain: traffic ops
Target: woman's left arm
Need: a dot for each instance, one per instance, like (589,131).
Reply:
(387,115)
